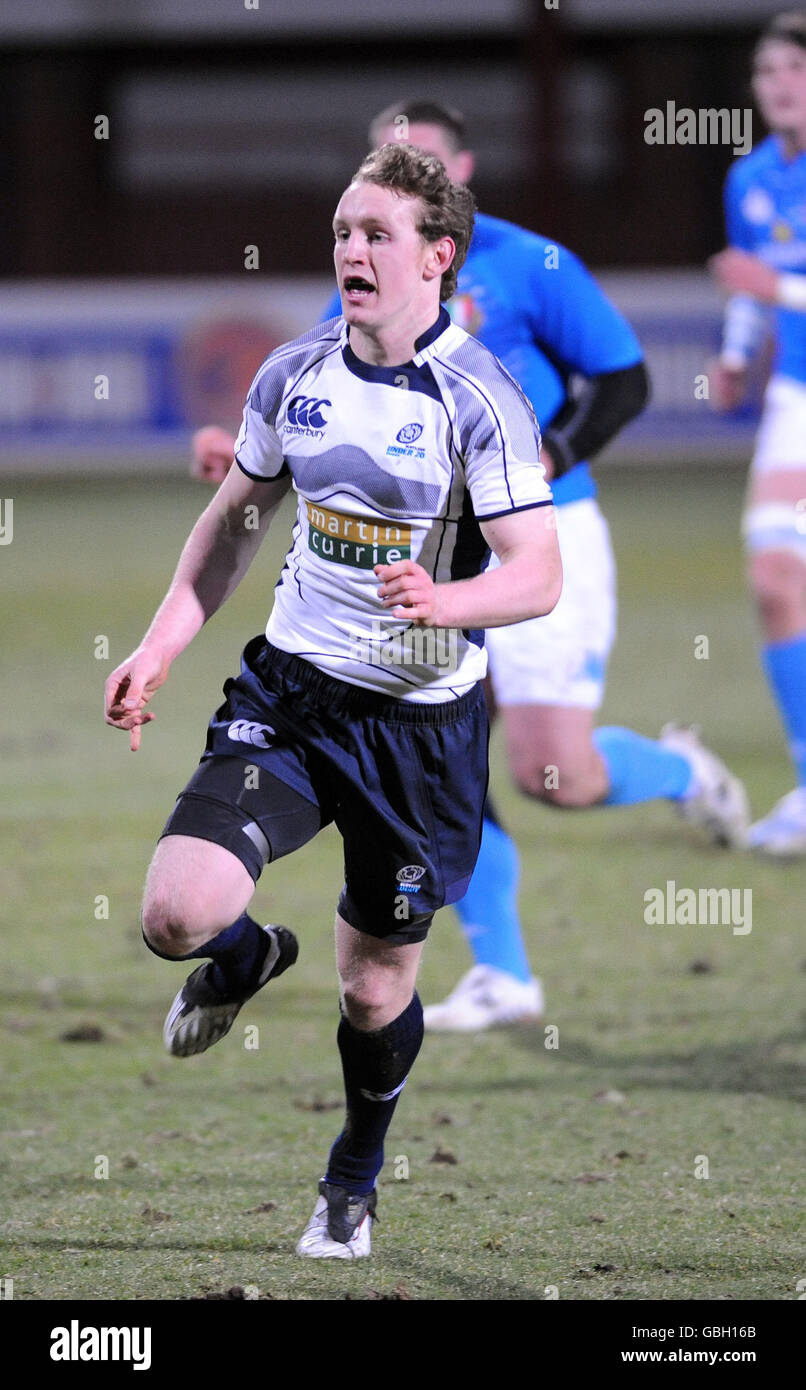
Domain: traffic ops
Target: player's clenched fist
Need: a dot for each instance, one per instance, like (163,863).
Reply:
(410,592)
(740,273)
(130,687)
(212,454)
(727,385)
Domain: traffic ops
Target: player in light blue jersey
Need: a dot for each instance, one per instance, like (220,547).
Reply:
(539,310)
(765,207)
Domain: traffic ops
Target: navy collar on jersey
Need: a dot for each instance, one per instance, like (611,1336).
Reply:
(420,377)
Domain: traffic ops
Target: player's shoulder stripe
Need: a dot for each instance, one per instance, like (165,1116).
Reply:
(292,359)
(475,364)
(329,332)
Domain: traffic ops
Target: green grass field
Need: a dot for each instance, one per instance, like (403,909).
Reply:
(570,1169)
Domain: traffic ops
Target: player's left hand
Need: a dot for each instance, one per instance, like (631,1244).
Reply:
(410,592)
(740,273)
(212,454)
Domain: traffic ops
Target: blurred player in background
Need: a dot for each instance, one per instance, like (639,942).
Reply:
(534,305)
(390,536)
(765,208)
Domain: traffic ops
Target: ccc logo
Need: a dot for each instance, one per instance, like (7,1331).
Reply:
(242,731)
(306,410)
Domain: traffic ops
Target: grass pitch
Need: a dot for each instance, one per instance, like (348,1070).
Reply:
(515,1170)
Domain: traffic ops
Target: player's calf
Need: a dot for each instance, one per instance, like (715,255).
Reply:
(778,581)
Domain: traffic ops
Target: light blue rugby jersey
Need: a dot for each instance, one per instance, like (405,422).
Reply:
(532,302)
(765,213)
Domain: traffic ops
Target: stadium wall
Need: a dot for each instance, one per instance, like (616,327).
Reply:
(116,374)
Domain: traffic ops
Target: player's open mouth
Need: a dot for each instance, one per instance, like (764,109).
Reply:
(357,288)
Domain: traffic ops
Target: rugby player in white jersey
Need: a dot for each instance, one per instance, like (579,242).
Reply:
(407,472)
(538,309)
(765,206)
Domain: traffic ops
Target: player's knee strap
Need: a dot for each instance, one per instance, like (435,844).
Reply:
(257,823)
(776,526)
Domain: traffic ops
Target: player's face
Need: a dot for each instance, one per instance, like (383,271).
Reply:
(383,265)
(779,85)
(432,139)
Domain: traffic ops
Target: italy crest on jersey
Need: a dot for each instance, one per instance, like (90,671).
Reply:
(466,312)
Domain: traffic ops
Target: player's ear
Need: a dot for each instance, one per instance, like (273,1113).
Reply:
(464,164)
(439,258)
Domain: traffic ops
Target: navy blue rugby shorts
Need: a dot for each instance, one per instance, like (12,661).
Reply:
(292,750)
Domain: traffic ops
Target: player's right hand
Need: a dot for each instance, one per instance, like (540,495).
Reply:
(727,385)
(130,687)
(212,454)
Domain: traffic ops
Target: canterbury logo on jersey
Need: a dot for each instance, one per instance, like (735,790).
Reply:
(361,541)
(305,414)
(243,731)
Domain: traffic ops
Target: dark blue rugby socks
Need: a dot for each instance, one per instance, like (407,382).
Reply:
(238,954)
(375,1067)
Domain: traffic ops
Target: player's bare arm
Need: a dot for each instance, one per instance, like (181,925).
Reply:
(526,585)
(216,556)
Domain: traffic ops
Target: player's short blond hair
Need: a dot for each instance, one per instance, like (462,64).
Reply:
(446,208)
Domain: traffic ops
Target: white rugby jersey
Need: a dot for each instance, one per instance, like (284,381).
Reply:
(389,463)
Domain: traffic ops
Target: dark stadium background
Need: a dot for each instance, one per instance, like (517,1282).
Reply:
(567,96)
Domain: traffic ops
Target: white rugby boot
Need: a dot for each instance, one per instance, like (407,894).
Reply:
(200,1016)
(486,998)
(340,1226)
(783,832)
(718,803)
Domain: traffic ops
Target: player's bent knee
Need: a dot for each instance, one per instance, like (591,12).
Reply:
(165,933)
(364,996)
(557,785)
(778,581)
(369,1003)
(194,889)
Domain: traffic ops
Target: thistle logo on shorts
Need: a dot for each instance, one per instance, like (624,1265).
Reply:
(244,731)
(304,415)
(361,541)
(408,878)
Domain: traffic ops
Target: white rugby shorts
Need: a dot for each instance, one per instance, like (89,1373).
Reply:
(562,659)
(781,439)
(780,445)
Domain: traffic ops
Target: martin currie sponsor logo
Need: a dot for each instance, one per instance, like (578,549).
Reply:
(360,541)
